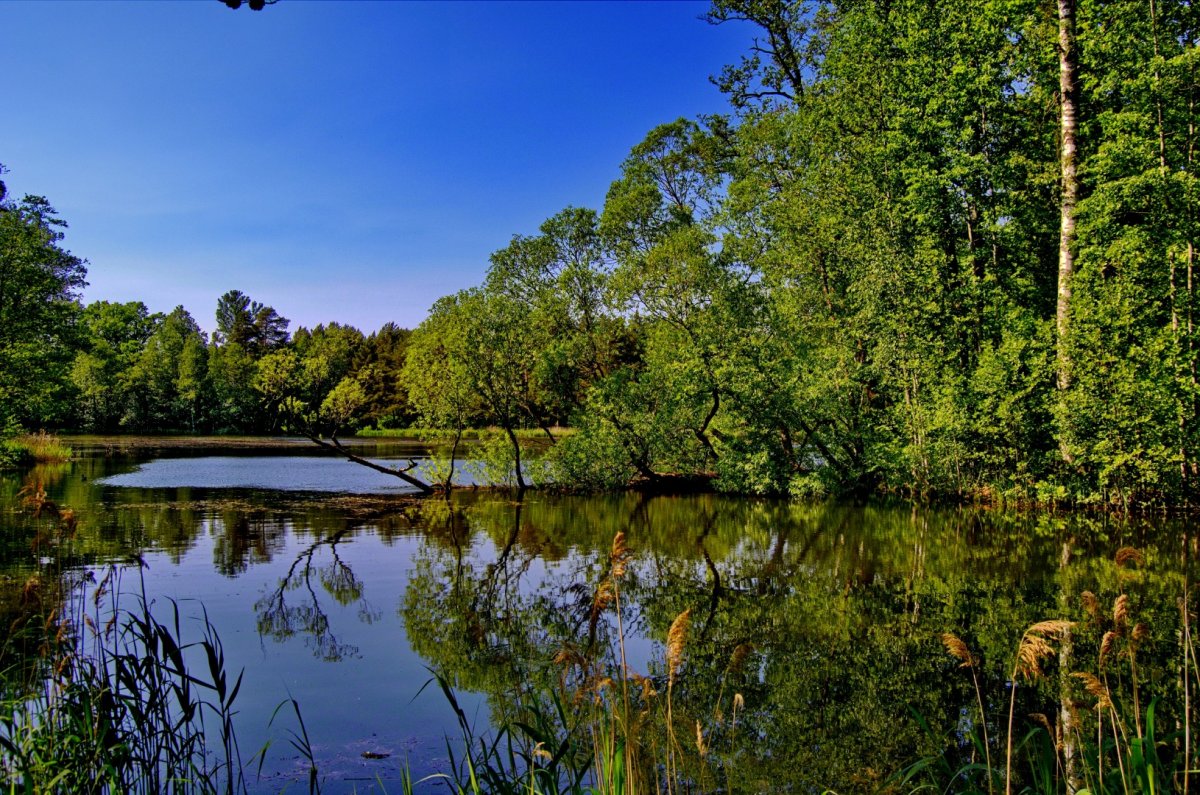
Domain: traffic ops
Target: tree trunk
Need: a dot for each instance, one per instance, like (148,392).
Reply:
(335,446)
(1068,85)
(1067,729)
(512,437)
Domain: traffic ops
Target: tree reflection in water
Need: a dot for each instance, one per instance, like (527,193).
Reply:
(279,620)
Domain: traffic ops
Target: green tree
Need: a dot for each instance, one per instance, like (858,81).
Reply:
(256,327)
(113,336)
(39,291)
(165,382)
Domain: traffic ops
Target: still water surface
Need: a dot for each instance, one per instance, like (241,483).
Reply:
(329,585)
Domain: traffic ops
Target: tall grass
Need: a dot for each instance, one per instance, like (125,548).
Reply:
(116,699)
(33,448)
(124,704)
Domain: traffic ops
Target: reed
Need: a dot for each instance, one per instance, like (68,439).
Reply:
(126,705)
(602,728)
(1122,749)
(117,700)
(958,649)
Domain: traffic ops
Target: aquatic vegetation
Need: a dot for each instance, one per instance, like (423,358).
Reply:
(125,704)
(109,698)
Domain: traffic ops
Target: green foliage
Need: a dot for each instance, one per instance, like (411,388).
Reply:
(591,459)
(133,707)
(846,286)
(39,287)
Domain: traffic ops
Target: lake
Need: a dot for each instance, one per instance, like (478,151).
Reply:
(329,583)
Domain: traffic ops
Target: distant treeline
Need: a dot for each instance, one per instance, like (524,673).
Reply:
(933,247)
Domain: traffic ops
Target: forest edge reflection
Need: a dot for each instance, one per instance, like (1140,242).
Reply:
(833,614)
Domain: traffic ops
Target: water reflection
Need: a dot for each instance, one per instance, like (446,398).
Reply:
(279,620)
(825,620)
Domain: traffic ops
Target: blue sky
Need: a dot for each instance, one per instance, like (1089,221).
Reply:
(348,161)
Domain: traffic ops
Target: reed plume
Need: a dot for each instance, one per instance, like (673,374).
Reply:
(620,555)
(1092,604)
(958,649)
(676,643)
(1106,646)
(1096,688)
(701,745)
(738,658)
(1034,647)
(1127,555)
(1121,614)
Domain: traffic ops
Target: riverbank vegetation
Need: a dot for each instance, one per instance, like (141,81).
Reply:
(931,249)
(99,697)
(33,448)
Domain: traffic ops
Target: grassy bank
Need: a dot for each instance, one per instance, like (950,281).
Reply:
(33,448)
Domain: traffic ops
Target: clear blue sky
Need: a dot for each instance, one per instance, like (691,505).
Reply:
(339,161)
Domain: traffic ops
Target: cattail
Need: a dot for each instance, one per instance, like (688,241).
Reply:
(1120,614)
(676,641)
(958,649)
(1126,555)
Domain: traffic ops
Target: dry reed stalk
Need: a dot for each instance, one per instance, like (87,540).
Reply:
(960,651)
(676,644)
(1187,689)
(1033,648)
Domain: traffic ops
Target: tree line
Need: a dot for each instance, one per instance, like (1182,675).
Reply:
(931,248)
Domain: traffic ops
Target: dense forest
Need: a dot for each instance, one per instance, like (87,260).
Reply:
(932,248)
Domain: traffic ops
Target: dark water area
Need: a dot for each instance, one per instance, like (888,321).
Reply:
(825,621)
